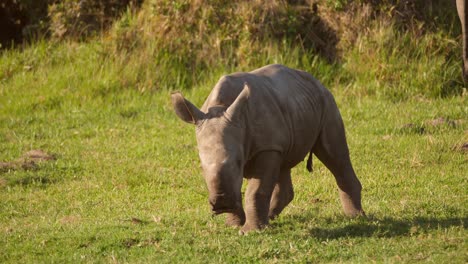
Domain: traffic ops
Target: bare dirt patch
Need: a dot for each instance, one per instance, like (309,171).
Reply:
(430,125)
(28,161)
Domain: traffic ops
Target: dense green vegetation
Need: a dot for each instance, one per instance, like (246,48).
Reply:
(126,184)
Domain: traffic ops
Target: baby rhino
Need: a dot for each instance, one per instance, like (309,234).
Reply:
(257,126)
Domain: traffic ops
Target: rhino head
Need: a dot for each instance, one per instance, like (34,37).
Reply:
(220,138)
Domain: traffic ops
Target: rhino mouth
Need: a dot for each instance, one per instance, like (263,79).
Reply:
(236,209)
(225,206)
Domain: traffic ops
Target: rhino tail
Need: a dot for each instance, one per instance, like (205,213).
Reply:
(309,162)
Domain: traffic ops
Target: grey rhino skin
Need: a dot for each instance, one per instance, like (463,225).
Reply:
(258,125)
(462,9)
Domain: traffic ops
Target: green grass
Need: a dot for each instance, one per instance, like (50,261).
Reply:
(127,185)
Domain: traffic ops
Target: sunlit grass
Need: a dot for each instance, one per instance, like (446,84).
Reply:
(127,185)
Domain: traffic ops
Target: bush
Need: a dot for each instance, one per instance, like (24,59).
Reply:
(80,19)
(22,20)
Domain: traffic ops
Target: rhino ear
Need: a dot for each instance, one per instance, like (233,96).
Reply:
(185,110)
(237,108)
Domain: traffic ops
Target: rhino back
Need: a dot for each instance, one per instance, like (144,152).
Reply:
(304,104)
(285,111)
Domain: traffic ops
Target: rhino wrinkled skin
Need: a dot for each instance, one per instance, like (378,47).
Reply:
(257,126)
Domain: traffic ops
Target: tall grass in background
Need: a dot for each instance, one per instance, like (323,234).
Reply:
(354,47)
(184,44)
(398,65)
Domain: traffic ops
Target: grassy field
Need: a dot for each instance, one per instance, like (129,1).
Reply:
(126,184)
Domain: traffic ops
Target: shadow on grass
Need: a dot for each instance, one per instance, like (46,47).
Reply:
(387,227)
(336,227)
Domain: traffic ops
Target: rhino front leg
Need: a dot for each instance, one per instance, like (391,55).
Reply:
(235,218)
(332,149)
(262,175)
(283,194)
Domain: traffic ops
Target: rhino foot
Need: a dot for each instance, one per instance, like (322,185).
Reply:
(247,228)
(235,219)
(351,202)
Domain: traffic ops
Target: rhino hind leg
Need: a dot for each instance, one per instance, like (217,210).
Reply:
(282,195)
(331,148)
